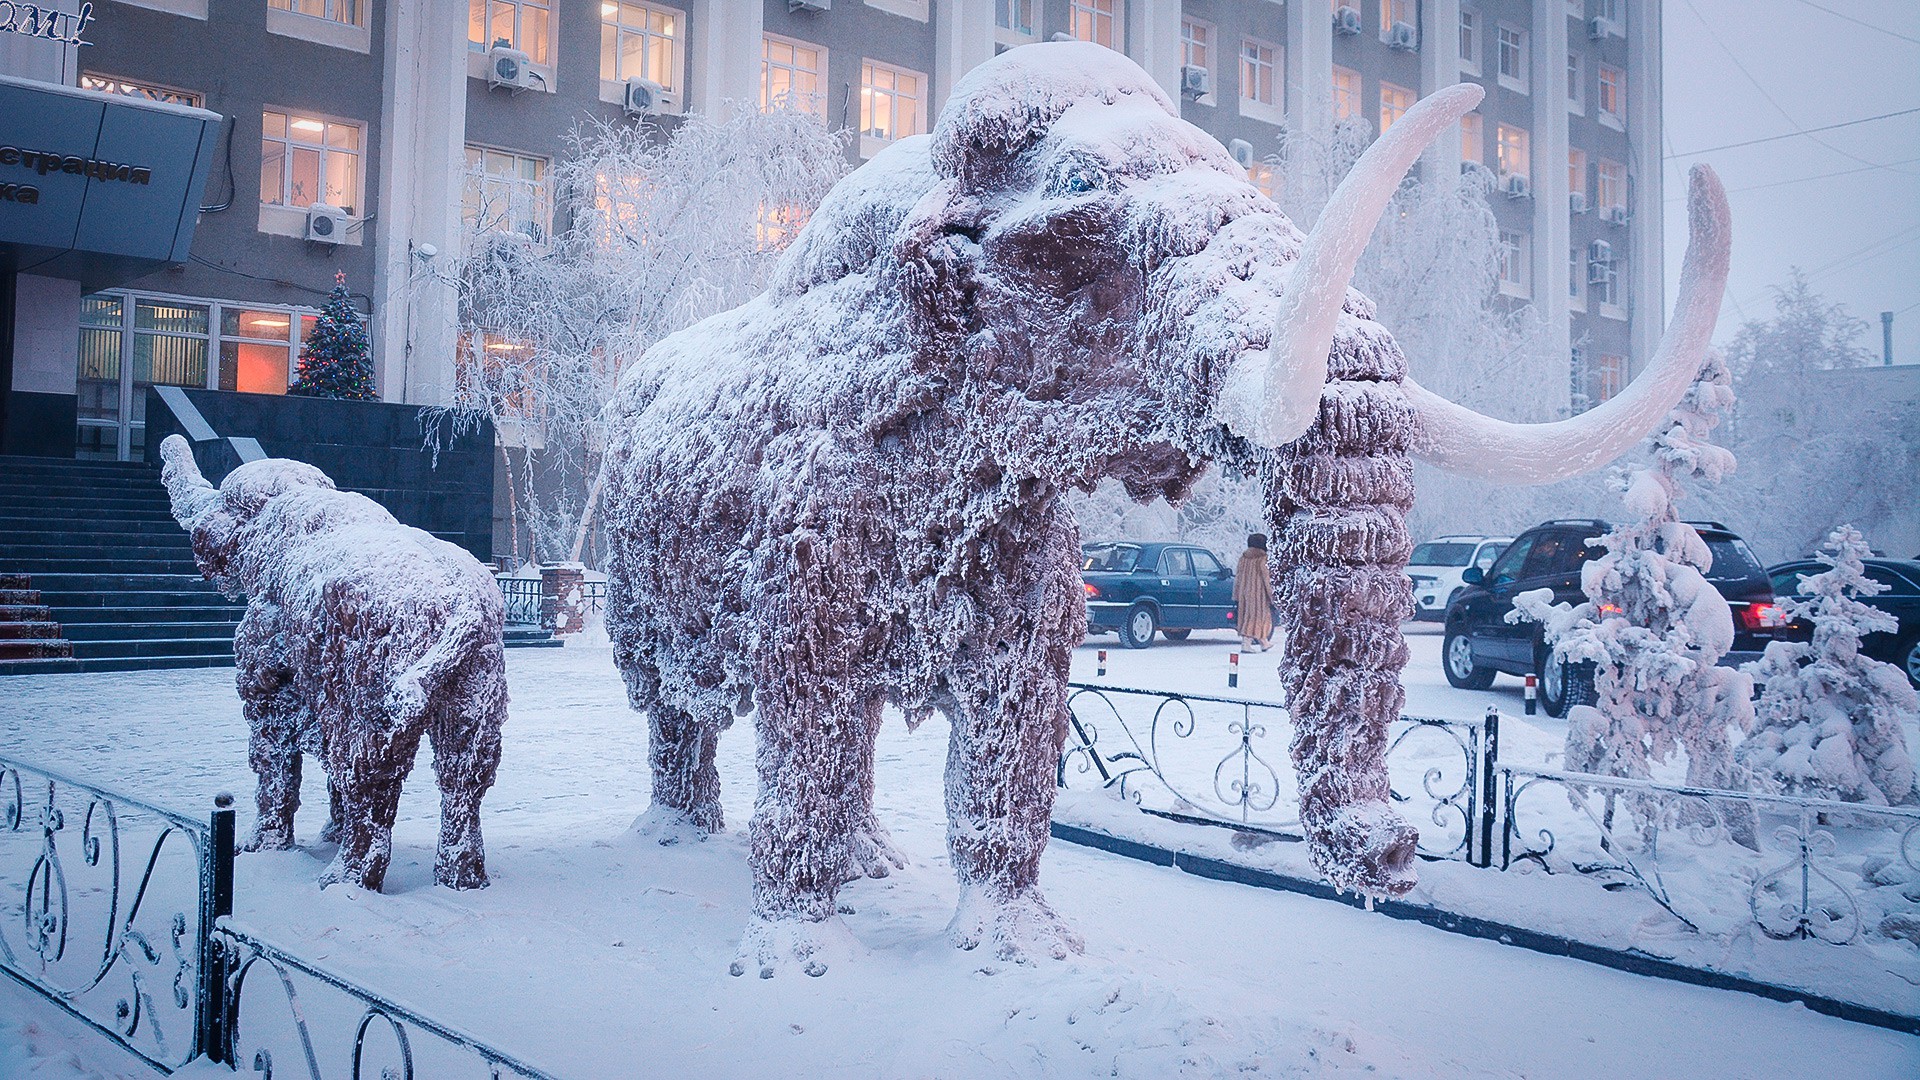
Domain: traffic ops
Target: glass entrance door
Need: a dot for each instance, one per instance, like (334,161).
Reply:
(126,345)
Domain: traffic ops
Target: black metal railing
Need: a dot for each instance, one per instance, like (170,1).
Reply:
(523,600)
(1223,761)
(119,912)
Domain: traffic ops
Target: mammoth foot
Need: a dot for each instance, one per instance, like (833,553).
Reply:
(870,853)
(773,945)
(1365,847)
(362,873)
(330,833)
(1020,927)
(269,837)
(463,868)
(668,825)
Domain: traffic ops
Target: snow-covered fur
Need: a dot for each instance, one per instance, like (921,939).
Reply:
(361,635)
(1653,625)
(848,492)
(1831,722)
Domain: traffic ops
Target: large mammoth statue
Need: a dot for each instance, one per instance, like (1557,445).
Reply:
(848,492)
(361,635)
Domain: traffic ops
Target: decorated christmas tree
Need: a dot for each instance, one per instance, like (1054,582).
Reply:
(337,359)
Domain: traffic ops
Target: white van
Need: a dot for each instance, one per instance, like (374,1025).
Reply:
(1436,567)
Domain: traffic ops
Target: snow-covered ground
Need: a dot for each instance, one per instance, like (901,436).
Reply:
(595,954)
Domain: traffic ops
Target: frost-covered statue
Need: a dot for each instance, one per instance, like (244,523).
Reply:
(848,492)
(1831,722)
(361,635)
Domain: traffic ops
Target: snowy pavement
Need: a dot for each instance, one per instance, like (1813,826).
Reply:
(595,954)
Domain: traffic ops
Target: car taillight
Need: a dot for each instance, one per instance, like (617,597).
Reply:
(1611,609)
(1760,616)
(1092,593)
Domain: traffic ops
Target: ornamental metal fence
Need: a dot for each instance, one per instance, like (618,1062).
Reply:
(118,912)
(523,600)
(529,605)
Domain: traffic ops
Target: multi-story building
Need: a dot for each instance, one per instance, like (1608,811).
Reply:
(364,136)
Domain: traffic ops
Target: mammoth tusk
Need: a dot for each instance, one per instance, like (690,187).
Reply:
(187,490)
(1460,440)
(1273,403)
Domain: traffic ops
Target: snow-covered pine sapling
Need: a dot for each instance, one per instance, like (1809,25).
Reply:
(1653,626)
(1831,722)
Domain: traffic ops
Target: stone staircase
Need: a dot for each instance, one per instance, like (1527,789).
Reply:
(95,575)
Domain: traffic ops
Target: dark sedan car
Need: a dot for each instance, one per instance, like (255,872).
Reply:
(1480,641)
(1901,600)
(1135,589)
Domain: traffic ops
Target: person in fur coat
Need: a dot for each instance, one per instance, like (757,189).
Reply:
(1252,596)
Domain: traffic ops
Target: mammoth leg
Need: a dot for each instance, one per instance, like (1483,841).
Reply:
(680,748)
(368,760)
(465,733)
(872,852)
(274,717)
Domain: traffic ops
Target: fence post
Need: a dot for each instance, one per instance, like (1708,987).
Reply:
(1489,758)
(216,902)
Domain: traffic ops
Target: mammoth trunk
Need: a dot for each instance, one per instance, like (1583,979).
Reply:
(1337,501)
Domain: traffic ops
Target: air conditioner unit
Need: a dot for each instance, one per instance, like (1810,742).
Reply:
(1516,186)
(1577,201)
(1614,215)
(511,68)
(1599,27)
(1599,273)
(1400,36)
(326,224)
(1242,152)
(1346,20)
(643,97)
(1195,82)
(1599,251)
(809,5)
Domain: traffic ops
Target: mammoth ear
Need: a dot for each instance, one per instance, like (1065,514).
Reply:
(938,254)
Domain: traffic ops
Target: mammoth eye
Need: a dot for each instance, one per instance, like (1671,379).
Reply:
(1078,178)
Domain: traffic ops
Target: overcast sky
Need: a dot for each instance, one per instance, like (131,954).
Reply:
(1844,204)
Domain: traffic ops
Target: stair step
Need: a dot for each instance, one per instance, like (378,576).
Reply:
(34,648)
(15,581)
(81,604)
(38,566)
(141,631)
(227,614)
(131,647)
(17,517)
(39,629)
(19,597)
(112,663)
(82,533)
(12,554)
(25,613)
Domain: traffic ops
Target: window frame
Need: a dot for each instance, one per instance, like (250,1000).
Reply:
(1576,83)
(1608,378)
(1111,13)
(1610,174)
(1352,94)
(1273,111)
(1410,97)
(613,85)
(1008,34)
(1387,9)
(327,8)
(1577,277)
(1203,36)
(1577,175)
(1521,82)
(873,144)
(543,60)
(1469,41)
(357,210)
(1616,117)
(1523,151)
(1515,275)
(541,188)
(1473,130)
(815,102)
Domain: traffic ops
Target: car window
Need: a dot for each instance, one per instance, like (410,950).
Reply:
(1112,558)
(1786,581)
(1486,555)
(1507,567)
(1732,559)
(1439,554)
(1553,553)
(1896,584)
(1205,564)
(1174,563)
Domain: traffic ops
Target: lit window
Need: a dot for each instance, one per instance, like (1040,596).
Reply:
(1513,263)
(1097,21)
(1394,11)
(1512,48)
(259,348)
(108,84)
(639,40)
(775,225)
(1469,41)
(1015,16)
(792,70)
(1613,96)
(1576,84)
(340,11)
(1346,93)
(1258,84)
(1394,103)
(306,160)
(1609,377)
(1265,178)
(519,24)
(1196,44)
(1511,153)
(890,102)
(1577,176)
(1472,136)
(508,192)
(1613,185)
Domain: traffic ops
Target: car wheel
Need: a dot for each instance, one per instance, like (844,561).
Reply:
(1137,631)
(1910,658)
(1456,656)
(1176,635)
(1562,684)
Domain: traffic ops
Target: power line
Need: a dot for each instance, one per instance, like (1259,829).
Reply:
(1803,179)
(1796,134)
(1860,22)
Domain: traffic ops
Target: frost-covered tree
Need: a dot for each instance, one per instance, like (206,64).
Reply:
(660,229)
(1653,626)
(1831,722)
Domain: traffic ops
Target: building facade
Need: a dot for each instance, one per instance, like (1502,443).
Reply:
(367,136)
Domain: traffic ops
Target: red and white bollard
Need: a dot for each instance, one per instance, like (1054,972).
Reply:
(1101,670)
(1233,669)
(1533,690)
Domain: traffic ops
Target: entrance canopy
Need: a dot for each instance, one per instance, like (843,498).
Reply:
(98,188)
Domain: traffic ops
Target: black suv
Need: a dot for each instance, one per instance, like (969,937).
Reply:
(1480,641)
